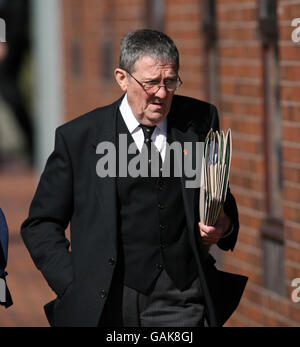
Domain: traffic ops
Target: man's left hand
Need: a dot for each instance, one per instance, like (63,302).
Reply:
(212,234)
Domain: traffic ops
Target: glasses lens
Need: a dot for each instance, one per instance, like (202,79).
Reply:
(150,86)
(170,86)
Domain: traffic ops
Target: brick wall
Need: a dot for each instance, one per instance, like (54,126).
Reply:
(90,25)
(290,103)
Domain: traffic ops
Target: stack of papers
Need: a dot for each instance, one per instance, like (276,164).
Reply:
(215,169)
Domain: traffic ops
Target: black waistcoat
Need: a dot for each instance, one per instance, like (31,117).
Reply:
(153,228)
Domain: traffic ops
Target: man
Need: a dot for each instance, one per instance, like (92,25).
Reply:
(139,256)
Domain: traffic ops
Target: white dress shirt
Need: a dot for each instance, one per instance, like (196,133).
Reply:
(159,136)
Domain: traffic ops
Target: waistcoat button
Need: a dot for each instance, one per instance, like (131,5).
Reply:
(111,261)
(102,293)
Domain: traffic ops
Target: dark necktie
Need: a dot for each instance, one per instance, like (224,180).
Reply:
(148,131)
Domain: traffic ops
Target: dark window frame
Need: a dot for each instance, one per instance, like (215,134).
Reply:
(272,228)
(155,14)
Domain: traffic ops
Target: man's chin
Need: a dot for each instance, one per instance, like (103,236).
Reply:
(156,117)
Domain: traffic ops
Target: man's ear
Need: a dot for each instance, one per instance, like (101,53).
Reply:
(121,78)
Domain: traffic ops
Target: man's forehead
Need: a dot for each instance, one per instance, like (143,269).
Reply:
(148,63)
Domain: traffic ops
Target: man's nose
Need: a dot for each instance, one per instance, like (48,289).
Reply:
(162,91)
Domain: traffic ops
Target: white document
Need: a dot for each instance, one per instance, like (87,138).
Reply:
(216,162)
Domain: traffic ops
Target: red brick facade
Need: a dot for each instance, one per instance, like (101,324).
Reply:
(243,89)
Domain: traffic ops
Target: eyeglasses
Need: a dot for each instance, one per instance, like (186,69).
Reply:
(152,87)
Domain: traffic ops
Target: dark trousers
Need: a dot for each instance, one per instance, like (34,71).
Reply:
(165,306)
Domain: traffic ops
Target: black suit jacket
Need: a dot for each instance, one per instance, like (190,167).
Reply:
(70,191)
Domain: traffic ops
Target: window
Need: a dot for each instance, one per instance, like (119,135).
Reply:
(209,28)
(272,228)
(154,14)
(107,59)
(106,42)
(76,39)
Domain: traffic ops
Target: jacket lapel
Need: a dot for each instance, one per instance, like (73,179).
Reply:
(105,125)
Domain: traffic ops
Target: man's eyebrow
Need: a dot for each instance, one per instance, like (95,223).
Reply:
(158,78)
(151,77)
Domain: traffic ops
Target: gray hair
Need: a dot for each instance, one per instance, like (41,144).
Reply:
(146,42)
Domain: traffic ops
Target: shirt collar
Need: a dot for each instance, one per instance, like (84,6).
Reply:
(128,116)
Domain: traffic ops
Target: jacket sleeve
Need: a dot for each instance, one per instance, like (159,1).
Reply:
(214,124)
(43,232)
(229,239)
